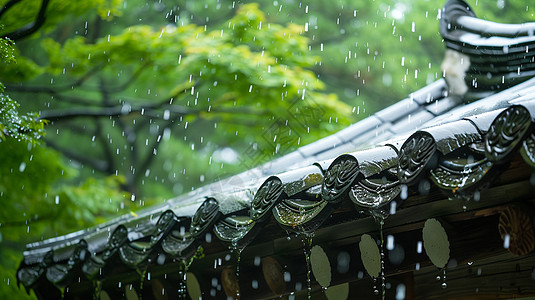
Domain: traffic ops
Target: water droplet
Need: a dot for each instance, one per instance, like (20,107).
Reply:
(400,291)
(444,285)
(390,242)
(506,240)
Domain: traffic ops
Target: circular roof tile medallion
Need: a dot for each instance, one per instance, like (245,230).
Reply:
(507,132)
(192,284)
(204,216)
(370,255)
(528,150)
(338,292)
(165,221)
(118,237)
(414,156)
(264,199)
(320,266)
(339,177)
(436,244)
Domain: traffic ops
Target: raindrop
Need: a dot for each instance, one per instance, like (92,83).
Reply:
(452,263)
(419,247)
(506,240)
(287,277)
(57,199)
(161,259)
(254,284)
(343,261)
(396,255)
(424,186)
(390,242)
(400,291)
(257,261)
(22,167)
(404,192)
(393,207)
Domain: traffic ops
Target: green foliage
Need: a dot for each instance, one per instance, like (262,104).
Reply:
(22,127)
(39,202)
(7,52)
(25,12)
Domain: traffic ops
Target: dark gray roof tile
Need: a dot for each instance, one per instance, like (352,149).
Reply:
(344,148)
(374,136)
(483,121)
(398,110)
(443,105)
(430,93)
(412,122)
(282,163)
(322,145)
(354,131)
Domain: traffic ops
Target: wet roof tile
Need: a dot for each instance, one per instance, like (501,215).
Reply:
(427,135)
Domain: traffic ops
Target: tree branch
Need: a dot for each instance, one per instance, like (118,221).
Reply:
(58,115)
(57,89)
(123,86)
(32,27)
(96,164)
(8,6)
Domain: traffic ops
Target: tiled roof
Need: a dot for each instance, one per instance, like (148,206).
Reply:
(427,138)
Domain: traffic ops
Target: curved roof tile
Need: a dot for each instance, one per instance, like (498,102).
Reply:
(460,149)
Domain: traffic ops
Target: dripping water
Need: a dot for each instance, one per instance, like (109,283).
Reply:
(143,274)
(237,250)
(306,239)
(97,287)
(182,267)
(444,284)
(288,235)
(382,248)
